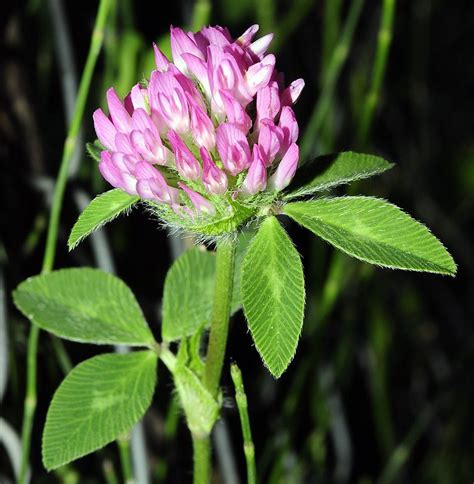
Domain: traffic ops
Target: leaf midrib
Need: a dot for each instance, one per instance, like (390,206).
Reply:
(440,268)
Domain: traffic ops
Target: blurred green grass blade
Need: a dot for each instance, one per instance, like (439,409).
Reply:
(381,55)
(338,59)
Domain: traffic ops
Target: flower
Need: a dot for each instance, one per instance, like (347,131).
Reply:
(210,137)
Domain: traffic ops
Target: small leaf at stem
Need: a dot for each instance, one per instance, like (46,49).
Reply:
(374,231)
(100,211)
(273,295)
(329,171)
(98,401)
(189,293)
(84,305)
(200,408)
(94,149)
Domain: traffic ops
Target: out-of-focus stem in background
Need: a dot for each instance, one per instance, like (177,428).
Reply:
(331,76)
(51,240)
(384,40)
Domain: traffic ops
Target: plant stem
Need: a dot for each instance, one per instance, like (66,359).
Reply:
(339,56)
(202,459)
(384,40)
(223,286)
(51,239)
(125,460)
(241,399)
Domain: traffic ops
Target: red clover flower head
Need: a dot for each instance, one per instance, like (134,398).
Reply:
(210,139)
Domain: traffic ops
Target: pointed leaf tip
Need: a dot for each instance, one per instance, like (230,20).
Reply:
(273,295)
(100,211)
(374,231)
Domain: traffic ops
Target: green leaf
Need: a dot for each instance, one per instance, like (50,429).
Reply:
(85,305)
(100,211)
(189,294)
(200,408)
(99,400)
(94,149)
(331,170)
(273,295)
(374,231)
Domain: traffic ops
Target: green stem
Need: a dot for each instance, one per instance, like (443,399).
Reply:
(125,460)
(202,459)
(241,399)
(223,286)
(224,282)
(339,56)
(384,40)
(30,402)
(51,239)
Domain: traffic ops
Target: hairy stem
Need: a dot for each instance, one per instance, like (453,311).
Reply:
(201,459)
(241,399)
(223,285)
(51,240)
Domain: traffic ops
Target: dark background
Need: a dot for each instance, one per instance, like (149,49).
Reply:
(381,387)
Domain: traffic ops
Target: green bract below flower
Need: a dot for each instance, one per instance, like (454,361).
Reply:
(208,140)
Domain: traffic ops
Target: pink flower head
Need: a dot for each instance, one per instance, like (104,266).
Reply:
(212,121)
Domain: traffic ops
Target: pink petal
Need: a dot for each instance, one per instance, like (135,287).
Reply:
(161,60)
(248,35)
(123,144)
(186,164)
(291,94)
(259,74)
(289,126)
(233,148)
(286,169)
(213,178)
(142,121)
(109,171)
(216,36)
(270,138)
(268,102)
(118,113)
(181,43)
(235,113)
(145,170)
(201,205)
(136,95)
(104,129)
(198,68)
(260,46)
(201,126)
(256,179)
